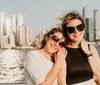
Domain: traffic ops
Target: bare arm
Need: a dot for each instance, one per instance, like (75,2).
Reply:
(94,62)
(62,75)
(52,75)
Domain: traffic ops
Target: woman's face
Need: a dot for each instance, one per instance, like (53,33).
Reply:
(75,30)
(55,42)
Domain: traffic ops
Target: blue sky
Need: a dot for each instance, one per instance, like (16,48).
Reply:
(43,14)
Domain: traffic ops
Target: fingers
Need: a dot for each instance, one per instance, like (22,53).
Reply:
(64,52)
(61,53)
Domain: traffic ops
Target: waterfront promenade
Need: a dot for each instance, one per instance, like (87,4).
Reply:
(12,84)
(14,74)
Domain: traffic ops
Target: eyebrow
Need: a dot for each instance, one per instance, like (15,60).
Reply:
(74,26)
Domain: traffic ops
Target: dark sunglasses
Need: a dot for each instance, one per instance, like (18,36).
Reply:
(56,39)
(71,30)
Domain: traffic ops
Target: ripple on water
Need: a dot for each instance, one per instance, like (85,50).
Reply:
(11,66)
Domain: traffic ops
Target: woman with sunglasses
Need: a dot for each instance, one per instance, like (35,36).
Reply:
(83,62)
(46,66)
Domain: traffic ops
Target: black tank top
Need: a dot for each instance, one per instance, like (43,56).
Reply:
(78,68)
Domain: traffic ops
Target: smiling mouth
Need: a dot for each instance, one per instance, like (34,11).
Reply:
(78,35)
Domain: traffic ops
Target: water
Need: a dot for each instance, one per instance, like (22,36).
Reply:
(11,66)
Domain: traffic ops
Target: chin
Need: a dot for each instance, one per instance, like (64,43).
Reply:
(77,40)
(52,51)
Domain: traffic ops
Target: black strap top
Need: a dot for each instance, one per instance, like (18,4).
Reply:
(78,68)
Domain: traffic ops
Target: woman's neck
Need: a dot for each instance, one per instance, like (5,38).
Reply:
(74,45)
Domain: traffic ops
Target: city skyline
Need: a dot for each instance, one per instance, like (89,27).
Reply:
(92,24)
(13,32)
(43,15)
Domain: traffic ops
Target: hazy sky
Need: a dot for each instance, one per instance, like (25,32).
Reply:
(43,14)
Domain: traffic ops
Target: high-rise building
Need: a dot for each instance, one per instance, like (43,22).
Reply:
(20,20)
(89,29)
(14,23)
(8,26)
(85,12)
(2,22)
(27,33)
(12,40)
(85,15)
(19,27)
(24,36)
(97,24)
(4,30)
(14,27)
(4,41)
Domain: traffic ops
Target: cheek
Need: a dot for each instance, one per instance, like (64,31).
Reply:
(70,36)
(83,33)
(78,38)
(49,46)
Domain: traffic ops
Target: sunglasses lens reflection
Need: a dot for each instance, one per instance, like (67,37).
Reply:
(62,44)
(56,39)
(71,30)
(80,27)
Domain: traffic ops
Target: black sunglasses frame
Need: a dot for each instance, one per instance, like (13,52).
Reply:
(71,29)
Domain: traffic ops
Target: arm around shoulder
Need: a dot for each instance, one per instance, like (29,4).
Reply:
(94,62)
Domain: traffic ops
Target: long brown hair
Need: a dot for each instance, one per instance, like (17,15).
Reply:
(66,19)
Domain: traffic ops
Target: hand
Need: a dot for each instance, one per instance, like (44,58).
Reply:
(84,47)
(60,55)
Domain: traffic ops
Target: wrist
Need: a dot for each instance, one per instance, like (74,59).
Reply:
(60,62)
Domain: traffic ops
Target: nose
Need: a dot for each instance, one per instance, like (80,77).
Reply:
(56,44)
(76,31)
